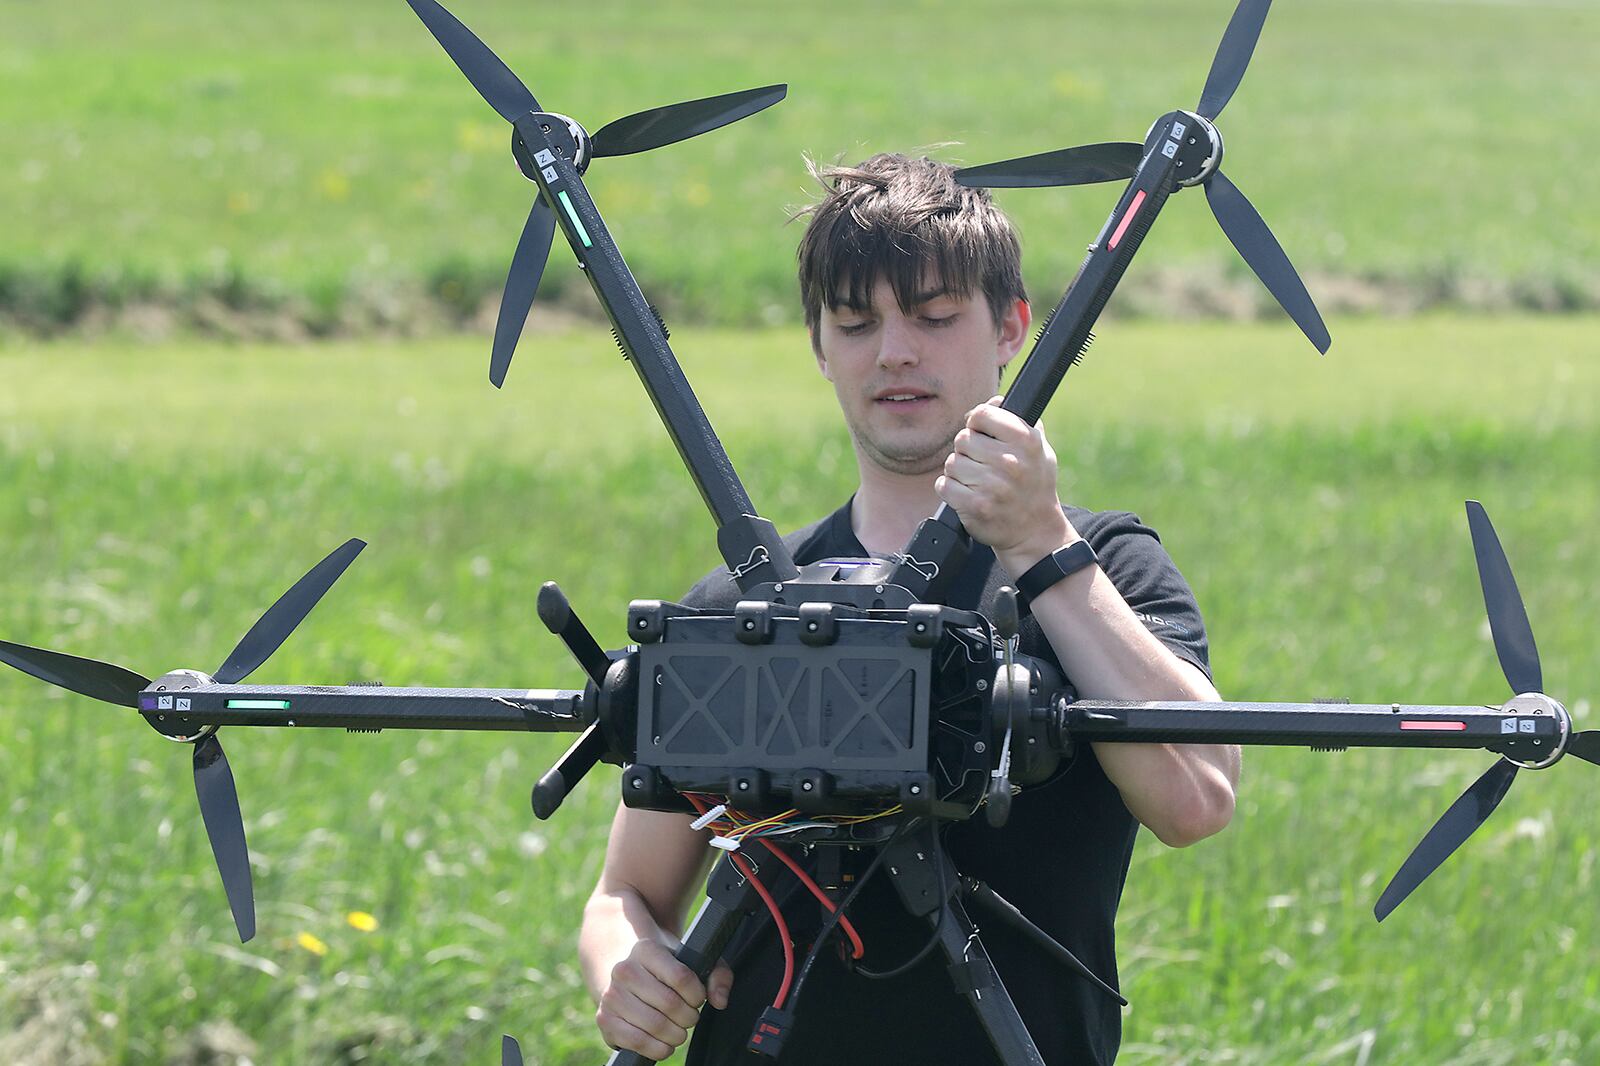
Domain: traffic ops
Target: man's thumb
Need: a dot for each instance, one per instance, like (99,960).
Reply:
(719,986)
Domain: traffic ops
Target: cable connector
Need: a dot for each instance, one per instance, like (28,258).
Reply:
(771,1028)
(710,816)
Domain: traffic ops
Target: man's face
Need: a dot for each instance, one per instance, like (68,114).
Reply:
(906,380)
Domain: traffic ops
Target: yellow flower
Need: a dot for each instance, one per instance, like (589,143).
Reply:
(1075,88)
(334,185)
(477,136)
(361,920)
(311,944)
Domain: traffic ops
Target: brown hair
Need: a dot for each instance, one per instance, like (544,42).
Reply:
(908,221)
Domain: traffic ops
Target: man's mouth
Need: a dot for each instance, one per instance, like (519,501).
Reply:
(902,398)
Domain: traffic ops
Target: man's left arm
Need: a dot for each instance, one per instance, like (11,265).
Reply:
(1001,480)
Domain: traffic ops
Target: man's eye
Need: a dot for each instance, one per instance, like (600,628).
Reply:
(937,321)
(851,329)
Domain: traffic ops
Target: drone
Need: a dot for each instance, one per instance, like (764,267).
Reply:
(849,695)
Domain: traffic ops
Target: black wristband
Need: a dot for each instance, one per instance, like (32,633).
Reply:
(1060,563)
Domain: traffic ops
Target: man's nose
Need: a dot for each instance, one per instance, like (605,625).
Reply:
(898,344)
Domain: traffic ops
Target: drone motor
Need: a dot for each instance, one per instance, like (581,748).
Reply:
(167,712)
(567,138)
(1525,747)
(1203,135)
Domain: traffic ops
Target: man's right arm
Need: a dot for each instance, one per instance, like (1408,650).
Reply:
(647,1000)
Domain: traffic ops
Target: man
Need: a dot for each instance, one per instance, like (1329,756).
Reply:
(914,302)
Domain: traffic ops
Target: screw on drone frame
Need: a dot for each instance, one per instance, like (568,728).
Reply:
(213,780)
(1519,660)
(1183,148)
(553,151)
(640,132)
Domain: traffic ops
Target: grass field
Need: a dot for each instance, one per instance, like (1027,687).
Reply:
(154,501)
(310,150)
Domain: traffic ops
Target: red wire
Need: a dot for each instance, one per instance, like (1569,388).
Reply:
(772,908)
(783,927)
(856,947)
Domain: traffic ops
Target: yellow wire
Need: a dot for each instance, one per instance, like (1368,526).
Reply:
(777,819)
(734,825)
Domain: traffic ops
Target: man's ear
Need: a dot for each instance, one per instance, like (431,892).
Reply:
(816,350)
(1013,331)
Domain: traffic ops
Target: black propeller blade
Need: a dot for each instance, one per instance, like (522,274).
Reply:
(492,78)
(1083,165)
(87,677)
(1112,161)
(522,284)
(635,133)
(1233,56)
(1255,242)
(274,627)
(1508,620)
(1448,834)
(510,1052)
(219,808)
(1519,658)
(213,780)
(1586,746)
(662,126)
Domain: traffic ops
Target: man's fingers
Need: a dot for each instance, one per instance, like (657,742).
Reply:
(666,1000)
(653,1000)
(672,973)
(998,423)
(980,462)
(628,1006)
(969,472)
(624,1036)
(956,495)
(984,448)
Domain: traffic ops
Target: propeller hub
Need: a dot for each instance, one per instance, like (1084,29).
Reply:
(165,708)
(1531,752)
(1199,149)
(565,137)
(1190,141)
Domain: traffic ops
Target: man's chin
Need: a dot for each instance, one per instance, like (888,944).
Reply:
(906,459)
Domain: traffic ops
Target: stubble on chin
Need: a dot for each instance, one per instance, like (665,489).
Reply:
(909,459)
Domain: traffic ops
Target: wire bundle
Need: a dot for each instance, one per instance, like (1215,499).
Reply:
(732,829)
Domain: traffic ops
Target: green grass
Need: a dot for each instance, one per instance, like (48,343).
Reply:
(153,502)
(308,149)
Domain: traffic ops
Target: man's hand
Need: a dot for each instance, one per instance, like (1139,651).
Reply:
(653,1000)
(1001,480)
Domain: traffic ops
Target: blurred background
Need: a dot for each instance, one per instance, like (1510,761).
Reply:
(248,277)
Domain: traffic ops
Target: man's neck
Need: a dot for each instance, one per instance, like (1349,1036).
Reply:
(888,507)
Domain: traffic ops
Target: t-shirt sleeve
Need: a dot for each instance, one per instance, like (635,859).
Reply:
(1133,558)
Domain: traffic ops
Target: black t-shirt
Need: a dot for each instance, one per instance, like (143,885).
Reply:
(1061,859)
